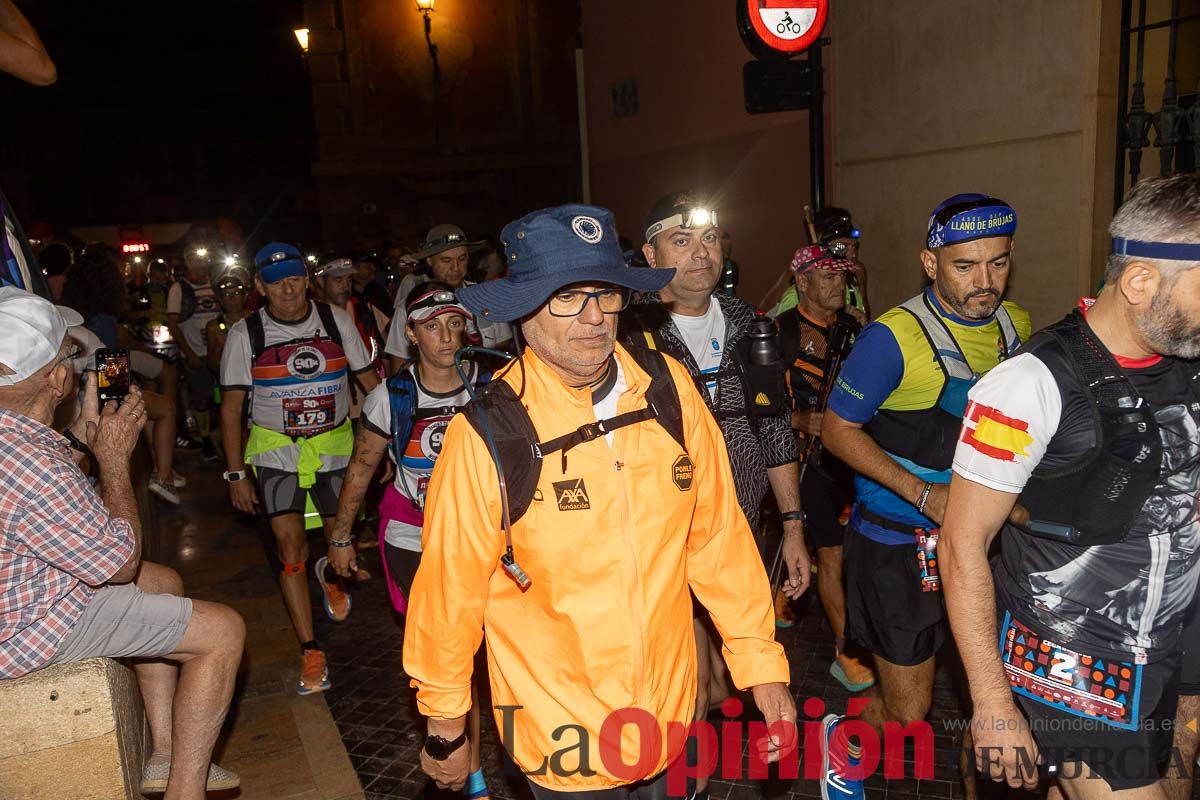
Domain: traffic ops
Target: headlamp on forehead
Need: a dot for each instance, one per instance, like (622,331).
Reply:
(230,261)
(311,259)
(690,218)
(434,304)
(201,252)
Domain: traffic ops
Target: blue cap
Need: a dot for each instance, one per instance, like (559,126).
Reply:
(277,261)
(967,217)
(553,248)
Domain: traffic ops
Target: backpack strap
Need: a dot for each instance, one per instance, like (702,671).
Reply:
(329,322)
(789,337)
(662,394)
(497,409)
(402,399)
(258,337)
(945,348)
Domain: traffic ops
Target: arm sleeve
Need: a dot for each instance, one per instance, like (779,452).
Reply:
(235,360)
(356,352)
(377,412)
(869,374)
(778,440)
(175,298)
(1012,414)
(724,569)
(70,528)
(461,551)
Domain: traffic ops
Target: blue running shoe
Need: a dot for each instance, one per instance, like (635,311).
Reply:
(834,784)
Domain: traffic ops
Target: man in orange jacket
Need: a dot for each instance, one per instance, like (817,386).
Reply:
(622,502)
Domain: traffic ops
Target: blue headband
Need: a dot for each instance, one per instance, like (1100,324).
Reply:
(1162,251)
(967,217)
(277,271)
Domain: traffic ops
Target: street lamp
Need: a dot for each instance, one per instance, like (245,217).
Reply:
(426,8)
(302,38)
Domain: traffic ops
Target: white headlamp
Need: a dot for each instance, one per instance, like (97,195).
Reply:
(690,218)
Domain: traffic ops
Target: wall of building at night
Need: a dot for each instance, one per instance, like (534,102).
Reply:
(691,129)
(1017,101)
(505,137)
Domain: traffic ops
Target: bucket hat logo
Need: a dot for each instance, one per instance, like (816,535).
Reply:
(588,229)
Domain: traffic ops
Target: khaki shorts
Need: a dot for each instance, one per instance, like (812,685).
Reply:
(122,621)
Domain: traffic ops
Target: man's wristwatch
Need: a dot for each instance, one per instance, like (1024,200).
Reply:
(234,475)
(439,749)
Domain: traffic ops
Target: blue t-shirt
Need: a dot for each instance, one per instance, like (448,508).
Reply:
(105,327)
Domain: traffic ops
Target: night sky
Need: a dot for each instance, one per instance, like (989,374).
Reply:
(163,112)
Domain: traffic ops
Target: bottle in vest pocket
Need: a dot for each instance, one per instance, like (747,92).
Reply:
(927,564)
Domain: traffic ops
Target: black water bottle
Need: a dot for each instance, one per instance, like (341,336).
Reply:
(764,373)
(764,342)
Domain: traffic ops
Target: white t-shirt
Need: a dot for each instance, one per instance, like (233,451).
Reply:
(705,339)
(423,448)
(491,333)
(206,308)
(308,392)
(607,407)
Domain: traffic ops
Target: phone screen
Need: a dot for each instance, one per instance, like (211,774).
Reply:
(112,374)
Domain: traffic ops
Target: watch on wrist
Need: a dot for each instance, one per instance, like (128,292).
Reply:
(439,748)
(234,475)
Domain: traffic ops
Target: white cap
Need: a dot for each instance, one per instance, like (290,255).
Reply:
(31,332)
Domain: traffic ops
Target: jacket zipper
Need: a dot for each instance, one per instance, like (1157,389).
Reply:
(635,605)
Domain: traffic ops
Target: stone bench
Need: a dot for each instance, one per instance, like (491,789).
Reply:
(72,732)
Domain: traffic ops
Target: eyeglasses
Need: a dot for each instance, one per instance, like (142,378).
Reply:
(75,352)
(572,302)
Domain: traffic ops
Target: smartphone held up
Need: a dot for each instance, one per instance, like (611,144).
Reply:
(112,374)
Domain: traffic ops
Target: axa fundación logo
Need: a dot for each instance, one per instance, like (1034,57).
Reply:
(572,495)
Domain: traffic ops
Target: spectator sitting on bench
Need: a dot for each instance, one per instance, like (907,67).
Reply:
(72,581)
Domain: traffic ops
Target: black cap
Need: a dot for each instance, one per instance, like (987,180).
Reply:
(832,223)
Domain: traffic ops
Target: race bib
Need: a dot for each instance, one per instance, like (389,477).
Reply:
(1071,681)
(308,416)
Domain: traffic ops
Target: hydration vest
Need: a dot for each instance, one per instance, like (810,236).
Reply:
(295,361)
(402,398)
(518,450)
(928,436)
(790,329)
(364,321)
(1096,498)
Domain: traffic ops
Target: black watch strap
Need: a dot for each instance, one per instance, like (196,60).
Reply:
(439,748)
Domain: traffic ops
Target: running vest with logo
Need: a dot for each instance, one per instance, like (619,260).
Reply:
(927,437)
(500,419)
(804,349)
(304,378)
(1095,499)
(402,398)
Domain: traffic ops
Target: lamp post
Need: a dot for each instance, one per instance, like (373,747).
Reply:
(426,8)
(302,38)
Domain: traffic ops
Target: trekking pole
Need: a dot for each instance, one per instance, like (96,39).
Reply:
(840,341)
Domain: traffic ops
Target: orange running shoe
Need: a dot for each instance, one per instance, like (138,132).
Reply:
(337,602)
(314,675)
(784,617)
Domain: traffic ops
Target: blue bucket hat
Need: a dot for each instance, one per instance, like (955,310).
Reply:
(967,217)
(277,261)
(553,248)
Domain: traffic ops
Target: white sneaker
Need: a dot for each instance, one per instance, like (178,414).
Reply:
(165,491)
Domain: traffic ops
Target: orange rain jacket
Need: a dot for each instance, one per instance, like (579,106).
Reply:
(612,545)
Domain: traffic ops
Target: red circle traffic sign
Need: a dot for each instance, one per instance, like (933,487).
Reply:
(781,27)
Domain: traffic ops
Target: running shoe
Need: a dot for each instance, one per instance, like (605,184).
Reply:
(158,769)
(177,480)
(337,601)
(207,449)
(834,784)
(314,675)
(186,443)
(784,617)
(852,673)
(165,491)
